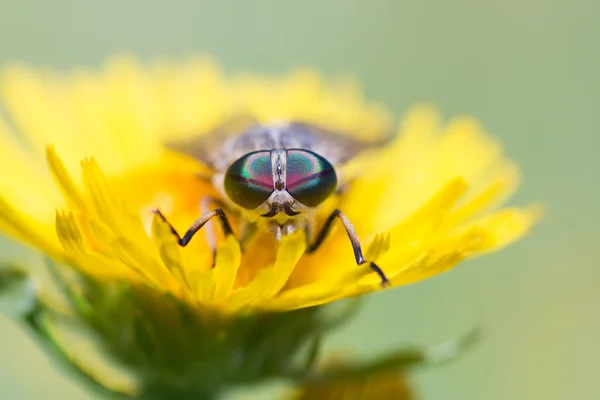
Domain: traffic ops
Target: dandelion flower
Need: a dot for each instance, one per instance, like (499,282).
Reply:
(85,163)
(431,192)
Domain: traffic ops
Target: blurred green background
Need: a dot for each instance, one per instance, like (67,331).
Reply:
(527,69)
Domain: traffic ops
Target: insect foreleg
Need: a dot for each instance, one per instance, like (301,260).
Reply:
(198,224)
(358,254)
(209,231)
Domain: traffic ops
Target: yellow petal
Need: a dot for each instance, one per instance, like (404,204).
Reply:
(169,249)
(290,250)
(23,180)
(323,291)
(504,227)
(378,247)
(245,296)
(28,231)
(228,260)
(268,282)
(491,195)
(64,181)
(429,216)
(76,252)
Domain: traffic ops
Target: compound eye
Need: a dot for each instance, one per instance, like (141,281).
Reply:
(310,178)
(249,180)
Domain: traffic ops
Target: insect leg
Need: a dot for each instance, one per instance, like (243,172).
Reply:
(358,254)
(209,230)
(199,223)
(248,232)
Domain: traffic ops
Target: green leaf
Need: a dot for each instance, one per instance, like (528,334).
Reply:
(313,353)
(397,361)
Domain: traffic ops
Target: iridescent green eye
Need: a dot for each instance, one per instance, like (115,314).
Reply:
(310,178)
(249,180)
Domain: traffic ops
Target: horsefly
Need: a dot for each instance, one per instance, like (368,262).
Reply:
(274,176)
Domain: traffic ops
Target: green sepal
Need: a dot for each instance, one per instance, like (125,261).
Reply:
(176,347)
(17,294)
(182,350)
(11,277)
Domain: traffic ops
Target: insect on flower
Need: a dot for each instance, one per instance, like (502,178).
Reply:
(275,177)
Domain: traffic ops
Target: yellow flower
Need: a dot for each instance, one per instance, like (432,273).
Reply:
(424,202)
